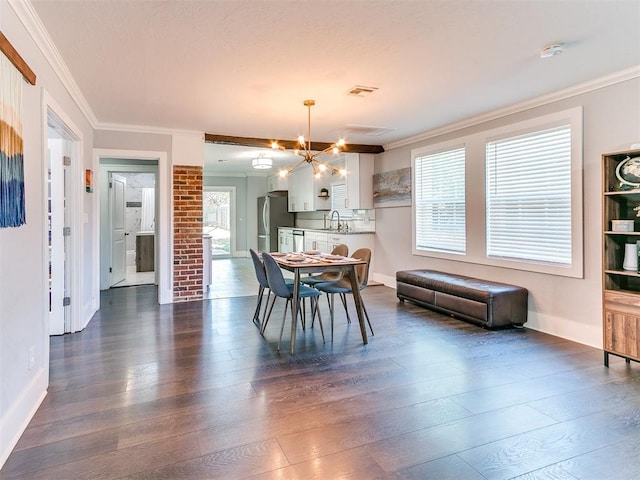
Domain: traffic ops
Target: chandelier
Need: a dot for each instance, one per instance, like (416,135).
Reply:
(308,156)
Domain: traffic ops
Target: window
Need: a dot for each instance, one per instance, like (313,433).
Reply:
(528,197)
(338,200)
(439,201)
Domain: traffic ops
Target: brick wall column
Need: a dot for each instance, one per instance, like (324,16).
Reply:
(187,233)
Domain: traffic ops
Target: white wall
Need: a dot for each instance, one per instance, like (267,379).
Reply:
(567,307)
(23,276)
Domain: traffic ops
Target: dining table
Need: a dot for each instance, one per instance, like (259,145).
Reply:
(306,263)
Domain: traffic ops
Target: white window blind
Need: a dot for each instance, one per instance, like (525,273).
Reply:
(338,200)
(528,197)
(439,201)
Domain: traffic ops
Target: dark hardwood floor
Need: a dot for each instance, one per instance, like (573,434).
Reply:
(192,391)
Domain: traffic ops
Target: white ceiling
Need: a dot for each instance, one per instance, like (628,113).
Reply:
(244,67)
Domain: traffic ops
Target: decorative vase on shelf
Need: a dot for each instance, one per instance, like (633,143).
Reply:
(630,257)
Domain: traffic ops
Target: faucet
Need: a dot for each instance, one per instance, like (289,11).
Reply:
(331,219)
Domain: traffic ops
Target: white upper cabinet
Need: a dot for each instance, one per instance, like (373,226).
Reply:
(359,181)
(277,183)
(304,190)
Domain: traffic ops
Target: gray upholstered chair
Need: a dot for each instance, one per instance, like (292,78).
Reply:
(263,284)
(280,288)
(343,286)
(312,280)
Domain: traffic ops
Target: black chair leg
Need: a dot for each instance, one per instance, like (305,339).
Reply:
(265,320)
(284,318)
(343,297)
(316,310)
(364,309)
(331,312)
(256,314)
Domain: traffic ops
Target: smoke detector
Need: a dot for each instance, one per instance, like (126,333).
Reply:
(551,50)
(361,91)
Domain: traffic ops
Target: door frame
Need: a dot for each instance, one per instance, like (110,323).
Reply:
(80,312)
(139,161)
(232,215)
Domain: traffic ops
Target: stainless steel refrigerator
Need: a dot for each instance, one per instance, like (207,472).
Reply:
(272,213)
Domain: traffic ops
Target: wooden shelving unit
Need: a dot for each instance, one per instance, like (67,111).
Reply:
(621,288)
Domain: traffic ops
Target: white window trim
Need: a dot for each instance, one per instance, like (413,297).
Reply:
(422,152)
(417,154)
(475,194)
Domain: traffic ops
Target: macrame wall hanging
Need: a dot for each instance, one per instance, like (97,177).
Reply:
(13,72)
(12,198)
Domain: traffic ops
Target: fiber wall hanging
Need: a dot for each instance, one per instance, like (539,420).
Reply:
(12,197)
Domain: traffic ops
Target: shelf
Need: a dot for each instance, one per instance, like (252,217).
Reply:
(626,273)
(617,193)
(621,288)
(621,291)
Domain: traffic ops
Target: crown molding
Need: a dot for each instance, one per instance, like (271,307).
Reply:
(29,18)
(586,87)
(121,127)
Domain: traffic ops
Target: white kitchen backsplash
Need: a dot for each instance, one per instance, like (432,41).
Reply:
(361,221)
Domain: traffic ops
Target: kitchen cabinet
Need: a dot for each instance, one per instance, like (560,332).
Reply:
(359,181)
(304,190)
(285,240)
(277,183)
(316,241)
(621,282)
(353,241)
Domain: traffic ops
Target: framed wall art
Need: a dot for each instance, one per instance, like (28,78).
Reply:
(392,189)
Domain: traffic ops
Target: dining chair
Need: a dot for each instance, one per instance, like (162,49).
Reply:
(261,276)
(280,288)
(343,286)
(324,277)
(263,284)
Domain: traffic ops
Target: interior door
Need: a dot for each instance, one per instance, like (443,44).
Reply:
(117,187)
(56,236)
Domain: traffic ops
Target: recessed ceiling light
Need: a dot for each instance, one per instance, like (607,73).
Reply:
(551,50)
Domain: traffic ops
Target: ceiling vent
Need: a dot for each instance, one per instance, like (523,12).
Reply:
(366,130)
(361,91)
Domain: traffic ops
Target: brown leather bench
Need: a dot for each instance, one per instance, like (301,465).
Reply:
(486,303)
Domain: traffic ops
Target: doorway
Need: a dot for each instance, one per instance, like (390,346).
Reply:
(218,220)
(132,208)
(131,226)
(62,160)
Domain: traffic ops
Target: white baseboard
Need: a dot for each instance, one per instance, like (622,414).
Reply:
(565,328)
(88,311)
(386,280)
(16,418)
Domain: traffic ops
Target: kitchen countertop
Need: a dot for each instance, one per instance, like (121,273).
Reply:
(333,231)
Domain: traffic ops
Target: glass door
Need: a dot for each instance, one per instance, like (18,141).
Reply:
(218,214)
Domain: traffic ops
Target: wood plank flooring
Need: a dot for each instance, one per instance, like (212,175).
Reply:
(193,391)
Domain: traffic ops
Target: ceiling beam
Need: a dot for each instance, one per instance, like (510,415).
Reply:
(287,144)
(15,58)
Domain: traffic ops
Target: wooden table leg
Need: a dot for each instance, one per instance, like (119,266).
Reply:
(357,299)
(295,302)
